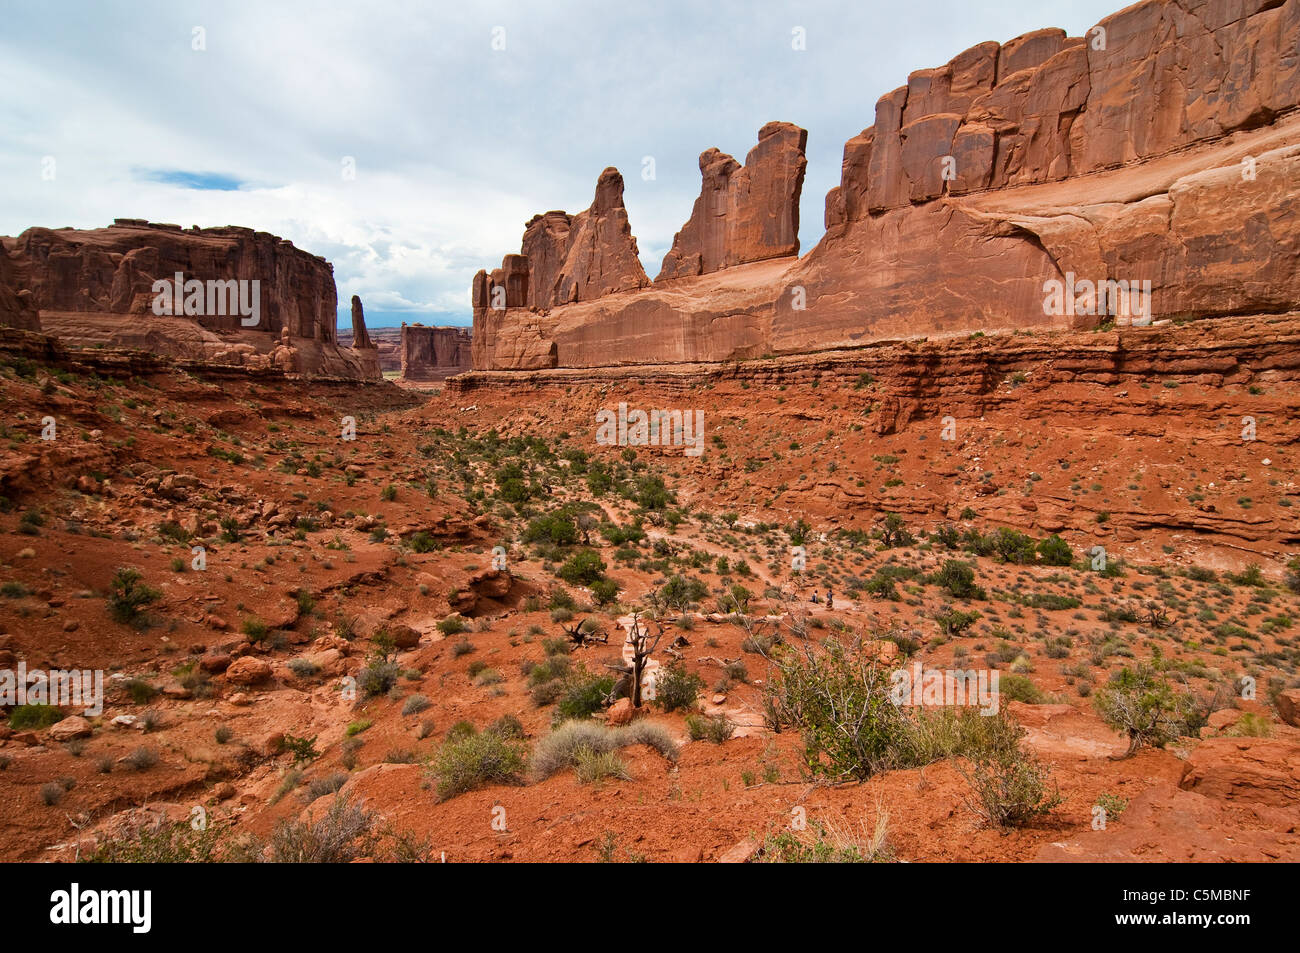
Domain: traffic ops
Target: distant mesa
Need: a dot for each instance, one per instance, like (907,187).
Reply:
(433,353)
(96,287)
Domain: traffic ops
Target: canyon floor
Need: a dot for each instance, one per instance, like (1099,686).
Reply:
(352,624)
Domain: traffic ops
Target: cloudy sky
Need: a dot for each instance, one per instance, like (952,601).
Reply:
(455,142)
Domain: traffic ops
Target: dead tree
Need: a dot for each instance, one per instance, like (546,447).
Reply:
(643,645)
(580,635)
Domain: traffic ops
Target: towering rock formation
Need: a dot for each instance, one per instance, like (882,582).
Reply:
(433,354)
(97,287)
(360,337)
(744,213)
(585,256)
(1161,147)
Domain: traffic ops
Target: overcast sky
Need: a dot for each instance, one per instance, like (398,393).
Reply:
(456,144)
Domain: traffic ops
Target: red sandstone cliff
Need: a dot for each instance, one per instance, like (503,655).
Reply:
(434,354)
(744,213)
(17,307)
(1162,146)
(96,286)
(579,257)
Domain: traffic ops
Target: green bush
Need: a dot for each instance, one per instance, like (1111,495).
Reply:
(584,694)
(34,717)
(958,579)
(1019,688)
(582,568)
(956,621)
(128,595)
(676,688)
(555,528)
(604,591)
(1141,702)
(1012,546)
(839,699)
(1010,788)
(714,728)
(477,760)
(453,625)
(1055,551)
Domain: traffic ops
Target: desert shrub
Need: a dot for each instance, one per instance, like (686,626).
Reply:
(1293,574)
(839,699)
(303,668)
(415,704)
(1010,788)
(559,750)
(592,766)
(128,595)
(319,787)
(34,717)
(714,728)
(1013,546)
(956,621)
(958,579)
(677,688)
(583,695)
(423,542)
(893,532)
(302,748)
(563,747)
(255,629)
(1141,702)
(1020,688)
(582,568)
(651,733)
(340,836)
(946,536)
(604,591)
(557,528)
(936,734)
(1251,576)
(378,676)
(154,841)
(1251,725)
(1051,601)
(1055,551)
(141,759)
(477,760)
(507,726)
(453,625)
(52,793)
(829,842)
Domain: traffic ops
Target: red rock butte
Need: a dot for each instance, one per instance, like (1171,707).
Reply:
(95,287)
(1162,146)
(433,353)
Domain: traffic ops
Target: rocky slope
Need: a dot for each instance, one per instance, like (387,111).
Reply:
(1163,147)
(328,561)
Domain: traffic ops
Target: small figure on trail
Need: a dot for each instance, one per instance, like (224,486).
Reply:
(814,598)
(830,601)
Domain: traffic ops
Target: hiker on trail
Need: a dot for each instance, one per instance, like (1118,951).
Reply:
(830,602)
(814,598)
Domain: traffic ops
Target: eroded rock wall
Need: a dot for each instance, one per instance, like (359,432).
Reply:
(1160,149)
(744,213)
(433,353)
(95,286)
